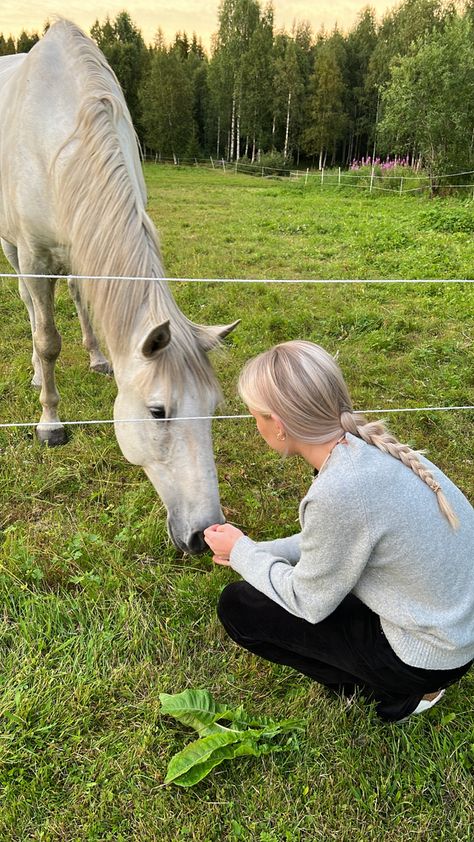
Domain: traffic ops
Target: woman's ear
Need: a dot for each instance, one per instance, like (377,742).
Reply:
(279,428)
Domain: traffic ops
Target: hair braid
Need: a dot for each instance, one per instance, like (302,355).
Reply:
(376,434)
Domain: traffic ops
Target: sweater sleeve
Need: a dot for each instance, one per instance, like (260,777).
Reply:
(287,548)
(335,547)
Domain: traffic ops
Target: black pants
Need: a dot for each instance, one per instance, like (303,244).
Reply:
(347,650)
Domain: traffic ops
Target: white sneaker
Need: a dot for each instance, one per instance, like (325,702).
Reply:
(424,704)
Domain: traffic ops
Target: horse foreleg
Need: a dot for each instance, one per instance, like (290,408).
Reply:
(11,254)
(47,343)
(25,296)
(97,360)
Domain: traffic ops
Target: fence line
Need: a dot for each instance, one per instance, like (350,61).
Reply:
(11,425)
(98,421)
(256,167)
(15,276)
(326,177)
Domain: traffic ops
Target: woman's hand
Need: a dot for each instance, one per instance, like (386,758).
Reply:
(221,538)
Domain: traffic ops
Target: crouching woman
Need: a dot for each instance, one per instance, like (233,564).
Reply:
(377,590)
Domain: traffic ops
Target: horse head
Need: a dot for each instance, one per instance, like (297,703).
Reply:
(163,380)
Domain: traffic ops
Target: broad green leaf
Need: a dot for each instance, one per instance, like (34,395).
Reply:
(195,708)
(198,709)
(195,761)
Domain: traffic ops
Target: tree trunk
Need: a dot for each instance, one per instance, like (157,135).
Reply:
(287,130)
(218,134)
(348,159)
(237,138)
(232,131)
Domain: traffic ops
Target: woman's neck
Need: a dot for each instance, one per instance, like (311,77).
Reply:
(317,454)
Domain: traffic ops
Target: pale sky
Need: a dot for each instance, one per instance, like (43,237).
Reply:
(189,15)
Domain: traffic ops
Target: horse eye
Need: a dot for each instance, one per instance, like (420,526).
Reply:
(158,412)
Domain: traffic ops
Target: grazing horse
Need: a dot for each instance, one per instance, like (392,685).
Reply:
(72,200)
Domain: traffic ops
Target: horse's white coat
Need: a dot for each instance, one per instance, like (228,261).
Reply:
(72,200)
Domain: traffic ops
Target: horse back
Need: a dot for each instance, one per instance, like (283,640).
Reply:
(42,101)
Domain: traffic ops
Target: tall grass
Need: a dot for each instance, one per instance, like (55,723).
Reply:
(100,613)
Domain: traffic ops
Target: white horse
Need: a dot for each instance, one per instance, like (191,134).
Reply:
(72,200)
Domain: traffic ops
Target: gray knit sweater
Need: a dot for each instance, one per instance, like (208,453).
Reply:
(370,526)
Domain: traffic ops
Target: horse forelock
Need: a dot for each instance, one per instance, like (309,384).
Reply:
(104,224)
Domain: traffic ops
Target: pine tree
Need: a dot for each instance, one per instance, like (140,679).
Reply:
(124,48)
(25,41)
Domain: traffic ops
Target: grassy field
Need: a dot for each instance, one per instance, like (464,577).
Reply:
(99,612)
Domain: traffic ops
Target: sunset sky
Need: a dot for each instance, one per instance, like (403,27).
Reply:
(175,15)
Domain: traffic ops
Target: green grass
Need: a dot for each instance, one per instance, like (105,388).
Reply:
(99,612)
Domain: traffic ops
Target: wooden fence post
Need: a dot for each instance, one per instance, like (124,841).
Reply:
(372,179)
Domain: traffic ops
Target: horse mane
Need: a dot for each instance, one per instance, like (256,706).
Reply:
(101,198)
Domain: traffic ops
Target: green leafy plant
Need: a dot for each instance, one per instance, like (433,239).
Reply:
(217,742)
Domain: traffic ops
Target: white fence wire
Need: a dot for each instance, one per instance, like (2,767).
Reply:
(14,276)
(99,421)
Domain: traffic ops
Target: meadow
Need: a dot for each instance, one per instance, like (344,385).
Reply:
(99,612)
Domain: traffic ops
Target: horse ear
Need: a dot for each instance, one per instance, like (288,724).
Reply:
(157,339)
(210,336)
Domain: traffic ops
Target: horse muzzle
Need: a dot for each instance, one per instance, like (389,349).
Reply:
(190,542)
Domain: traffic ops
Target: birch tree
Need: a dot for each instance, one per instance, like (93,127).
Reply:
(257,87)
(238,20)
(289,93)
(361,100)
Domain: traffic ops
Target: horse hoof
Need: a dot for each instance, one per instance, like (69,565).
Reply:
(51,436)
(102,368)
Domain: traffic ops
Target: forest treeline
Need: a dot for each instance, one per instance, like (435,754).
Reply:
(401,86)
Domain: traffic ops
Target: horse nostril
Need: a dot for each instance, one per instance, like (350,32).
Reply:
(196,543)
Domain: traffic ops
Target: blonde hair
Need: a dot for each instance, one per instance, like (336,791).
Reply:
(303,386)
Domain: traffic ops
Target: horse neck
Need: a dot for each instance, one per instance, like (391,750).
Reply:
(128,302)
(110,235)
(101,213)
